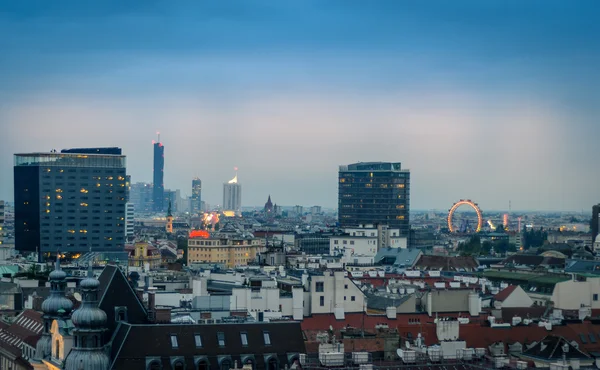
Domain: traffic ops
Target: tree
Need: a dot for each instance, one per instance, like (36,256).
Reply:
(182,243)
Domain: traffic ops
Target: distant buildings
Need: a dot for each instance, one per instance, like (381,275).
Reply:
(374,193)
(141,197)
(595,222)
(232,195)
(158,196)
(70,201)
(196,199)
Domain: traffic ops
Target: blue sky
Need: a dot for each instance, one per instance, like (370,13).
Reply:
(493,101)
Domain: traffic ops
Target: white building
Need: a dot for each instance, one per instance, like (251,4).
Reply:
(268,300)
(334,292)
(366,240)
(573,294)
(129,219)
(232,195)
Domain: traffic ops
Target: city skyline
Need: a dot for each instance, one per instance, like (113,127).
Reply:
(491,102)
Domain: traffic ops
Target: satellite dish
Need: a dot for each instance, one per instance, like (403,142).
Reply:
(77,296)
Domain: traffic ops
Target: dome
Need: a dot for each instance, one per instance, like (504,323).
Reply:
(57,275)
(89,318)
(89,283)
(87,360)
(54,304)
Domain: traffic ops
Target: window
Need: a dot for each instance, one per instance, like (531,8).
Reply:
(595,297)
(244,338)
(178,366)
(267,338)
(198,340)
(174,341)
(322,301)
(353,298)
(221,339)
(319,286)
(351,242)
(583,338)
(345,286)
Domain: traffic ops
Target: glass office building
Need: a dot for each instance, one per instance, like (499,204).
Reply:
(70,201)
(374,193)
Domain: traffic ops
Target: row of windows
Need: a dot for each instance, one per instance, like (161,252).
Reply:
(221,339)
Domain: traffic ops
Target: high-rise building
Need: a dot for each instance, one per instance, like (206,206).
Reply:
(141,196)
(70,201)
(232,195)
(374,193)
(595,221)
(158,191)
(196,200)
(129,220)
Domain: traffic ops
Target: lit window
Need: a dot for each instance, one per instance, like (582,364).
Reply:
(267,338)
(198,340)
(221,339)
(244,337)
(174,341)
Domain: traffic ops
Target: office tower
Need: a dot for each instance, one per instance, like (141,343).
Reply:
(141,196)
(374,193)
(128,188)
(232,195)
(70,201)
(1,222)
(595,227)
(196,200)
(129,220)
(158,192)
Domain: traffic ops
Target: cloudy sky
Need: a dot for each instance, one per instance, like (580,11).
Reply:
(488,100)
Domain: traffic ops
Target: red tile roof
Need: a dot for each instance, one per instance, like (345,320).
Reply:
(501,296)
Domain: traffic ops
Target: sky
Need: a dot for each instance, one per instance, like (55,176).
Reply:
(493,101)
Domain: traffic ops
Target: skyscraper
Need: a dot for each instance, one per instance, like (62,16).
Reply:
(158,191)
(232,195)
(196,200)
(70,201)
(595,226)
(374,193)
(1,221)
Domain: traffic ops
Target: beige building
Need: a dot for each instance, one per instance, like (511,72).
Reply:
(230,251)
(574,294)
(143,253)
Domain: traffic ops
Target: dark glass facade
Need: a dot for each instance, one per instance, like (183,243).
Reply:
(196,201)
(158,191)
(69,202)
(374,193)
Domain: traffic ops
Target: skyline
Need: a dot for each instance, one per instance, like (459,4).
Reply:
(491,102)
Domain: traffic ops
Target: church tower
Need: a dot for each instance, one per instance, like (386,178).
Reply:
(90,324)
(55,307)
(169,220)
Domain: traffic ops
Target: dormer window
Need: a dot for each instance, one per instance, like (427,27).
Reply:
(174,343)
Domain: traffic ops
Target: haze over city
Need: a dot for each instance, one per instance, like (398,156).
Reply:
(488,101)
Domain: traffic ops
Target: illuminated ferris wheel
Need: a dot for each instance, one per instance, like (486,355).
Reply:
(464,224)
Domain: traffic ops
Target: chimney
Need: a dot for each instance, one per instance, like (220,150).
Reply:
(151,306)
(140,294)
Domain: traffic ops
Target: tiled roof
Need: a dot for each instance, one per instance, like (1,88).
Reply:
(501,296)
(446,263)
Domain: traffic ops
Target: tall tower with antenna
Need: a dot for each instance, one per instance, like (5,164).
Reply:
(158,191)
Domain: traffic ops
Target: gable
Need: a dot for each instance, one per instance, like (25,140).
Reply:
(116,291)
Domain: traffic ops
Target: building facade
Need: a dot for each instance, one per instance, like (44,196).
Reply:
(70,201)
(196,199)
(333,292)
(141,197)
(143,253)
(158,189)
(595,226)
(230,251)
(374,193)
(232,195)
(129,220)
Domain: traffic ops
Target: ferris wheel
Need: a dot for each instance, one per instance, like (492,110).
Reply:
(466,223)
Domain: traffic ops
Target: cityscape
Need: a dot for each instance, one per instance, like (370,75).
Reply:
(378,204)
